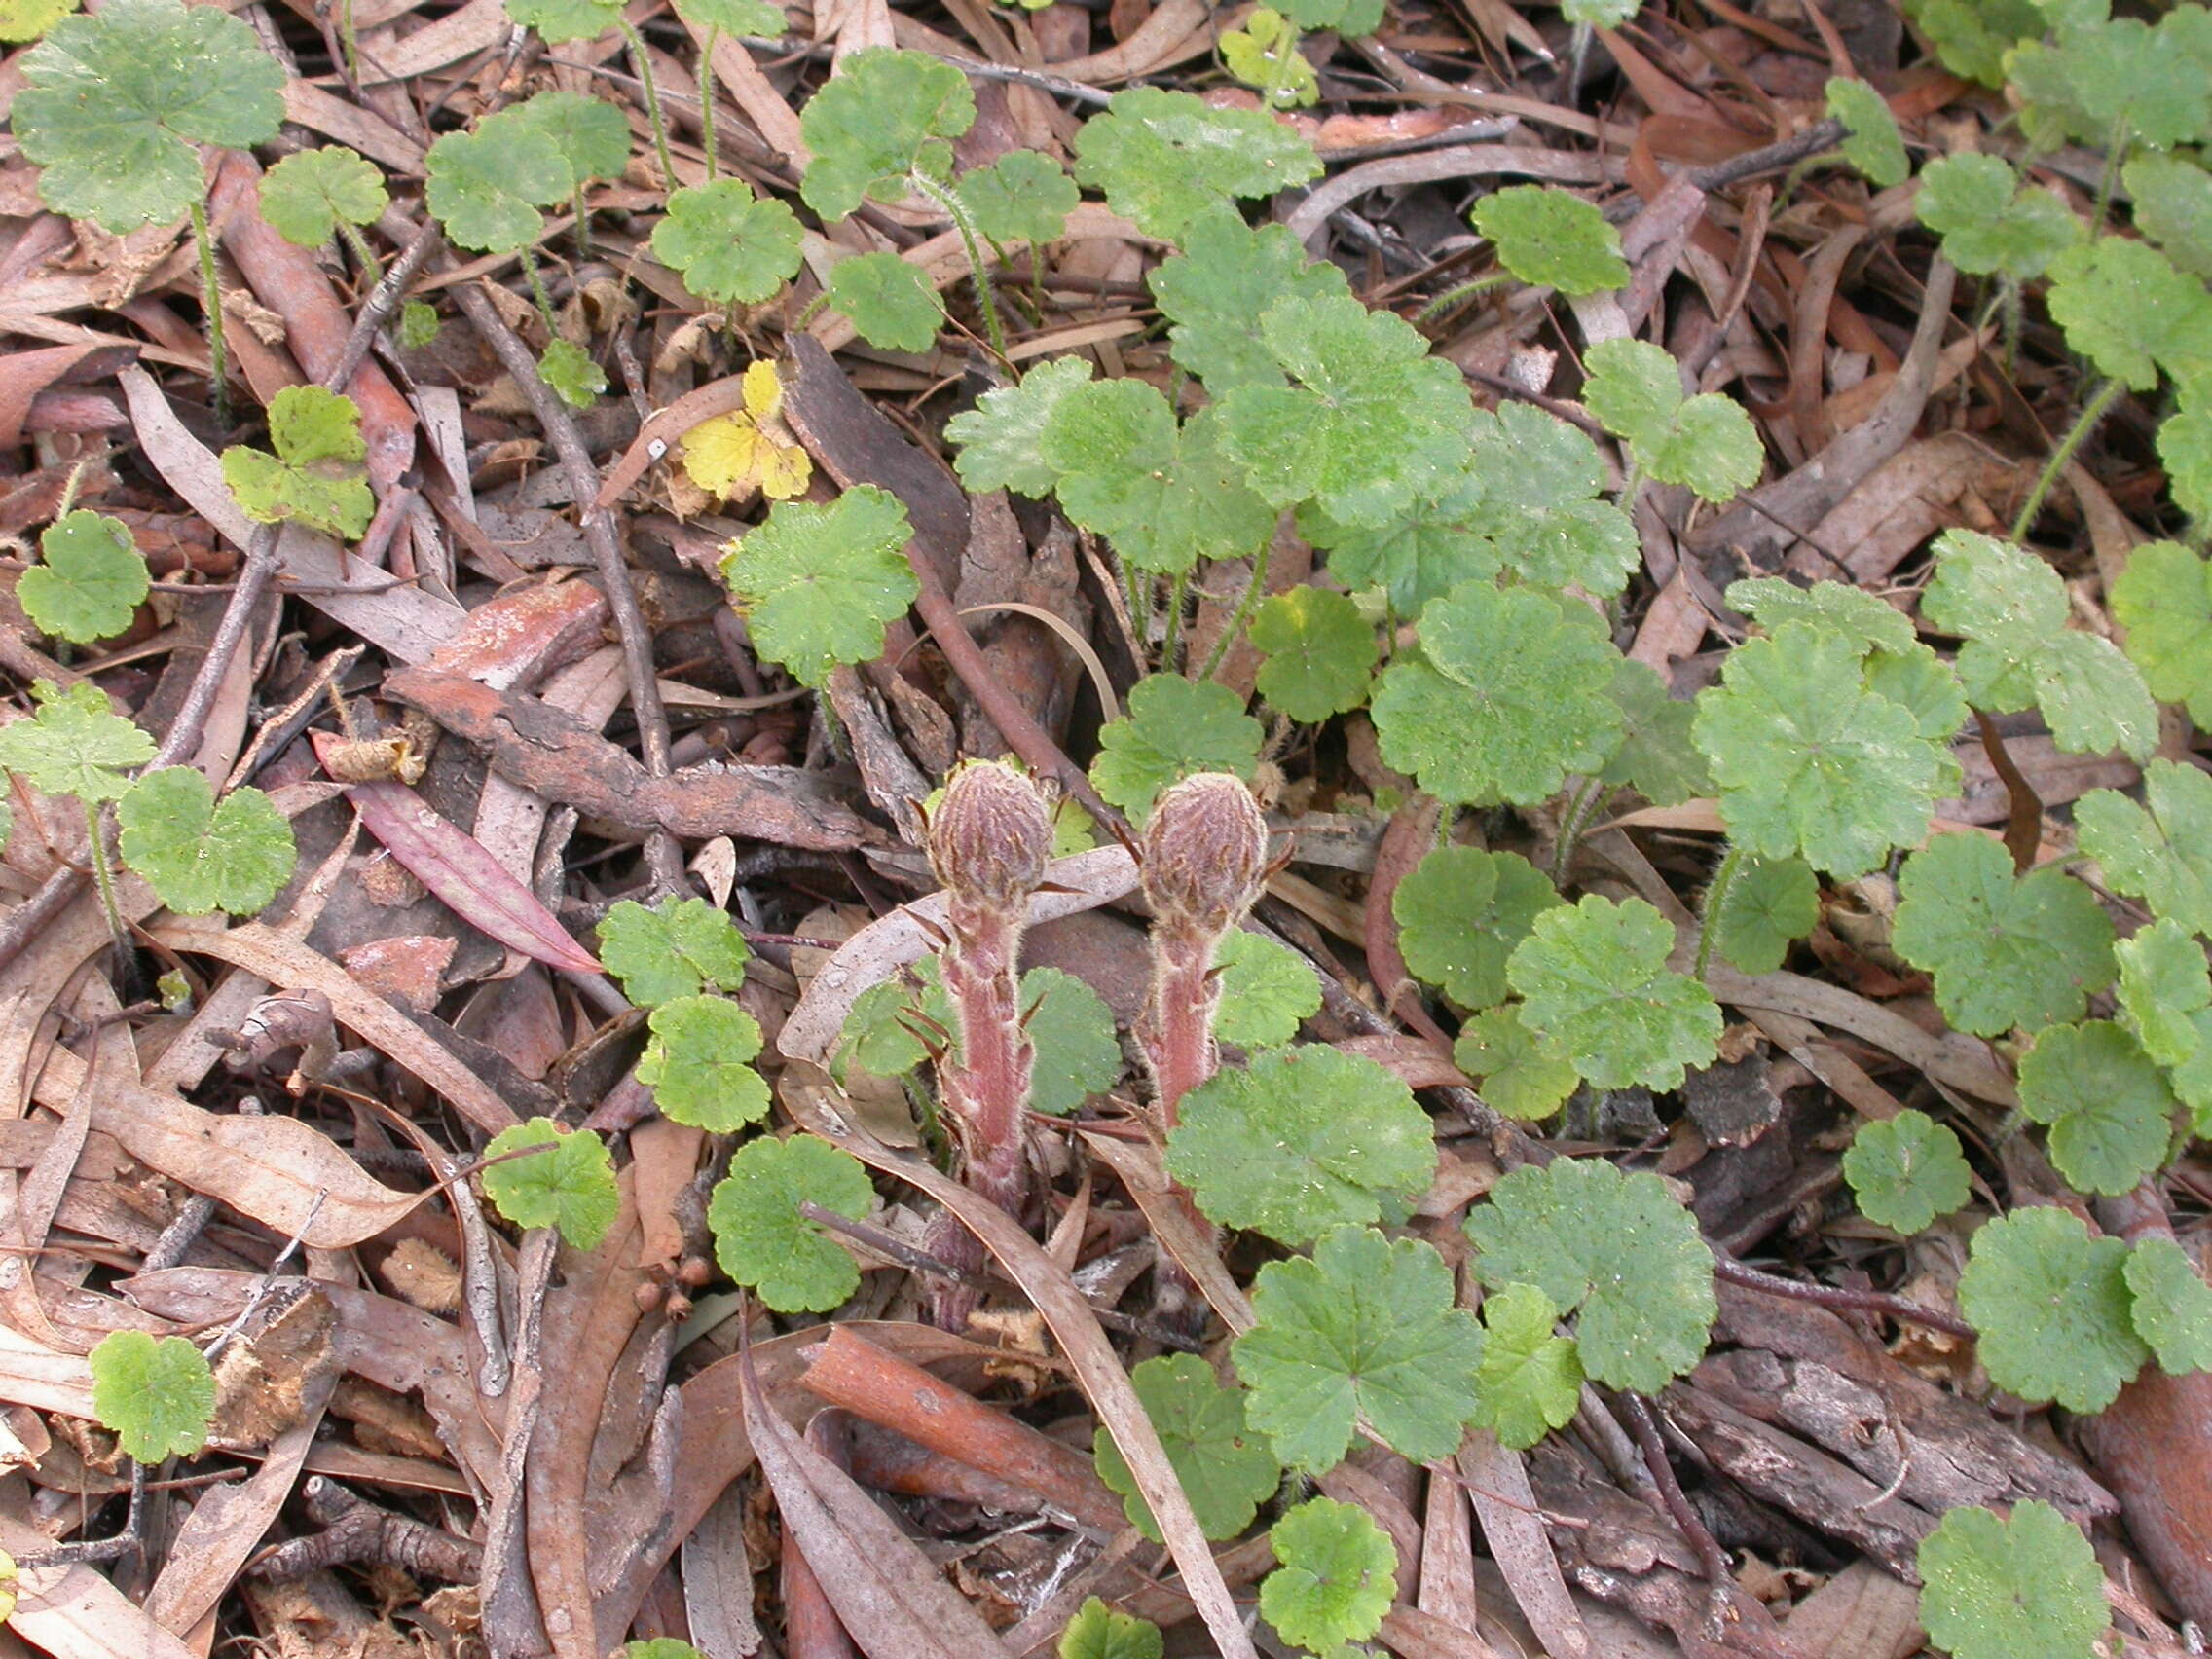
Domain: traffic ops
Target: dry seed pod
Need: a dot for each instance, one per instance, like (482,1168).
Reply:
(990,836)
(1204,853)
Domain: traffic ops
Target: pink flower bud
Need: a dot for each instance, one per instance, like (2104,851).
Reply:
(1205,853)
(990,835)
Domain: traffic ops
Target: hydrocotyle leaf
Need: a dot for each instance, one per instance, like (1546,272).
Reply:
(2053,1308)
(1905,1171)
(762,1239)
(2172,1307)
(2003,1587)
(1550,239)
(309,194)
(1319,652)
(732,247)
(91,579)
(1593,978)
(678,948)
(317,475)
(889,300)
(1225,1468)
(883,117)
(202,854)
(1162,157)
(2160,851)
(74,744)
(2164,599)
(1301,1140)
(1461,913)
(1267,990)
(1099,1632)
(158,1396)
(2109,1107)
(1531,1380)
(819,583)
(1616,1245)
(570,1187)
(697,1064)
(1174,727)
(1338,1576)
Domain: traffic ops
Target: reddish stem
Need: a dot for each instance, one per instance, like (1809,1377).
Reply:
(1176,1030)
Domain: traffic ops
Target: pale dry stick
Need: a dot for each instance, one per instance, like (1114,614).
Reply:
(662,854)
(1719,1582)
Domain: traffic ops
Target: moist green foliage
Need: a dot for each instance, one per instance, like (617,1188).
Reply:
(2005,951)
(90,581)
(1364,1329)
(570,1187)
(156,1395)
(1301,1140)
(1022,197)
(1001,438)
(2185,445)
(877,1035)
(2053,1308)
(1618,1247)
(568,369)
(1990,223)
(2160,851)
(759,17)
(1593,978)
(2108,80)
(1225,1468)
(1428,547)
(2172,1307)
(731,246)
(1872,143)
(486,187)
(763,1241)
(560,21)
(1162,158)
(1267,989)
(884,117)
(1226,275)
(1656,757)
(2173,208)
(318,476)
(1521,1075)
(309,194)
(2004,1587)
(1338,1576)
(1905,1171)
(2165,999)
(1540,480)
(1174,727)
(1706,442)
(1163,494)
(1461,913)
(1512,693)
(1320,652)
(1549,238)
(2011,608)
(2109,1107)
(889,299)
(1769,904)
(2126,308)
(1531,1379)
(112,107)
(2164,599)
(74,746)
(1099,1631)
(1369,420)
(21,21)
(1072,1030)
(202,854)
(697,1063)
(1810,762)
(678,948)
(816,584)
(590,133)
(1853,612)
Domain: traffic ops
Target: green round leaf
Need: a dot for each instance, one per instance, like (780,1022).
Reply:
(759,18)
(2160,851)
(1225,1468)
(1320,652)
(486,187)
(1022,197)
(884,116)
(1267,990)
(157,1396)
(816,584)
(1989,222)
(200,855)
(1302,1141)
(2173,208)
(2126,308)
(560,21)
(571,1188)
(2164,599)
(1872,143)
(1338,1576)
(696,1064)
(1769,904)
(678,948)
(1550,239)
(889,299)
(1072,1031)
(1905,1171)
(1523,1076)
(2005,951)
(762,1241)
(1531,1380)
(1593,978)
(1174,727)
(309,194)
(2053,1308)
(74,746)
(568,369)
(2172,1306)
(318,476)
(1365,1328)
(1461,913)
(1227,273)
(730,245)
(1999,1588)
(1002,438)
(112,107)
(2108,1105)
(1161,158)
(1618,1247)
(591,134)
(91,582)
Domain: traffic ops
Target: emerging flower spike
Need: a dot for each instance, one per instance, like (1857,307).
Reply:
(989,841)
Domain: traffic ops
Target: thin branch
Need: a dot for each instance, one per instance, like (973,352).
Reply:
(1829,1296)
(1711,1557)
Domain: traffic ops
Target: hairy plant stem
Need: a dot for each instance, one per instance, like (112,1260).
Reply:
(707,98)
(539,293)
(1715,903)
(957,209)
(211,302)
(96,840)
(637,44)
(1178,595)
(1244,609)
(364,255)
(1460,294)
(2092,411)
(1579,812)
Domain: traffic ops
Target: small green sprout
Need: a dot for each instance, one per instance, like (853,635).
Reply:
(157,1396)
(571,1188)
(762,1239)
(318,476)
(817,584)
(90,581)
(1226,1469)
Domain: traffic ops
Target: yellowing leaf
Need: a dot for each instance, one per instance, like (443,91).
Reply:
(749,449)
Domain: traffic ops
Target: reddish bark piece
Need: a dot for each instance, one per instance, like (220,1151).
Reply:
(531,743)
(812,1629)
(895,1394)
(517,638)
(407,970)
(455,867)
